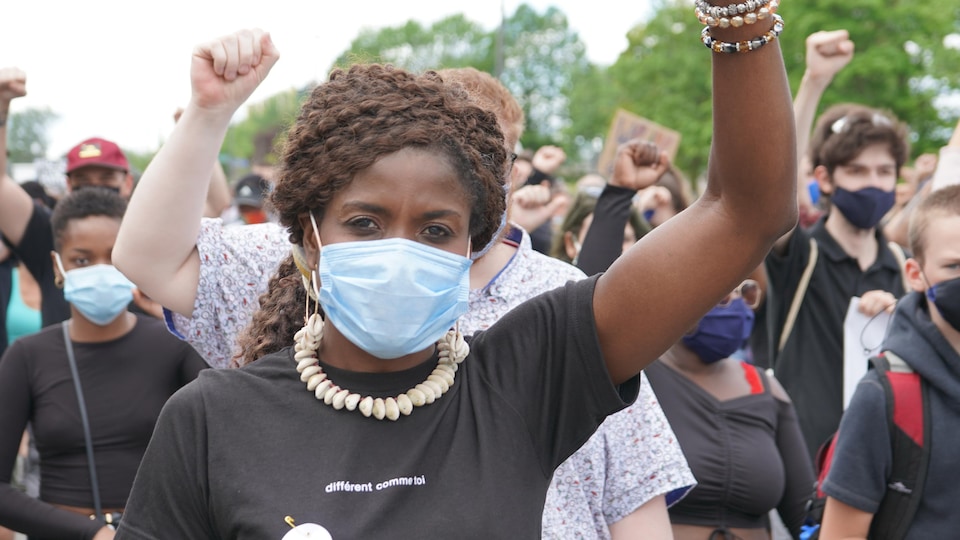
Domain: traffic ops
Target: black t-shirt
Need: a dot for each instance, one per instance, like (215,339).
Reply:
(238,450)
(810,366)
(125,383)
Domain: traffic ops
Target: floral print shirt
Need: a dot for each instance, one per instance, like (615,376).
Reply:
(236,264)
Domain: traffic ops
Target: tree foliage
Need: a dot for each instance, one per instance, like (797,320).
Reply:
(665,76)
(450,42)
(900,65)
(541,55)
(542,59)
(27,134)
(255,138)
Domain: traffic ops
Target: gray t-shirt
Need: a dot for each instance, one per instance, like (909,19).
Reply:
(239,450)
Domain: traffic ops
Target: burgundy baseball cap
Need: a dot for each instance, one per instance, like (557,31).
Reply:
(96,151)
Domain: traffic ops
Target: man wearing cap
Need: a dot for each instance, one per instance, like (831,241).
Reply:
(99,162)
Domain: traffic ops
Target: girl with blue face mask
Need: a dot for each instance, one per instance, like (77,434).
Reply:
(372,416)
(126,365)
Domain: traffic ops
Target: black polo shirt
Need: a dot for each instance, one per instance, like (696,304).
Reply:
(810,366)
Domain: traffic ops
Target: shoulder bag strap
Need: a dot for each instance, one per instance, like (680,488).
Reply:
(901,257)
(798,296)
(86,422)
(909,426)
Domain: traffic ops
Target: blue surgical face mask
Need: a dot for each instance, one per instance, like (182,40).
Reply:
(721,332)
(865,207)
(392,297)
(99,292)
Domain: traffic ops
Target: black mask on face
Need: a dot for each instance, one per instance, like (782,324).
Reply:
(114,189)
(946,296)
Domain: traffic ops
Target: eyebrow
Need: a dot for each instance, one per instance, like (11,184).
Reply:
(379,210)
(365,207)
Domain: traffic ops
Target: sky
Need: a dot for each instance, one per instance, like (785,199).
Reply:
(119,69)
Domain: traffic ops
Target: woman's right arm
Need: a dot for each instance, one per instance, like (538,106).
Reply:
(156,246)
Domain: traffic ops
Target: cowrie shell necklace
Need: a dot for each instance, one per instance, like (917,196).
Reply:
(453,350)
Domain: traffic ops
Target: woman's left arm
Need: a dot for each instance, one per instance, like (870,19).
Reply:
(660,288)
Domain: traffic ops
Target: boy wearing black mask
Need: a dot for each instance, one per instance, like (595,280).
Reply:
(856,153)
(925,333)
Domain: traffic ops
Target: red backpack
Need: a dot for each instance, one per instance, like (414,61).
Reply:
(908,409)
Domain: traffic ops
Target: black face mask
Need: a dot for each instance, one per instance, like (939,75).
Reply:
(108,188)
(946,296)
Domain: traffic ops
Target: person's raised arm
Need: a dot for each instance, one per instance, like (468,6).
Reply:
(603,242)
(218,192)
(827,53)
(947,172)
(156,246)
(16,206)
(658,290)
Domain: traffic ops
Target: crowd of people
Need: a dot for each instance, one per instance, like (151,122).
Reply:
(410,326)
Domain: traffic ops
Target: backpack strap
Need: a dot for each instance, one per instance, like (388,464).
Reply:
(901,257)
(798,295)
(908,412)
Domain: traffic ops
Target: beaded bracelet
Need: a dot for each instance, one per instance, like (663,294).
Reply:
(721,16)
(742,46)
(730,10)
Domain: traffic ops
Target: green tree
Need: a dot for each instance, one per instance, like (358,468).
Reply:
(542,57)
(450,42)
(664,75)
(255,138)
(900,65)
(27,134)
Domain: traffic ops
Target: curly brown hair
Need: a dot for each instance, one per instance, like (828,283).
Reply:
(359,116)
